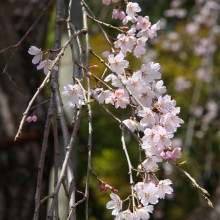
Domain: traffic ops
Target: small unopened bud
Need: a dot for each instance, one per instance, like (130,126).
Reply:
(125,28)
(122,15)
(31,118)
(89,74)
(94,67)
(114,190)
(115,13)
(34,118)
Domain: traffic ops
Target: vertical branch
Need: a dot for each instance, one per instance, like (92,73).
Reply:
(129,165)
(103,31)
(56,161)
(191,122)
(89,165)
(74,46)
(59,104)
(41,163)
(66,161)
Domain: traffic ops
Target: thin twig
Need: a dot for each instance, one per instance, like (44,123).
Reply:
(42,161)
(16,46)
(105,24)
(130,167)
(76,47)
(28,31)
(100,26)
(69,149)
(118,120)
(89,163)
(74,206)
(45,81)
(56,158)
(194,183)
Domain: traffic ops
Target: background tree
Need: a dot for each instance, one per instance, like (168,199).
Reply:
(18,80)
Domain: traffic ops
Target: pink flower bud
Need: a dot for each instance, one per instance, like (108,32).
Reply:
(34,118)
(176,152)
(106,2)
(89,74)
(115,13)
(114,190)
(102,186)
(122,15)
(94,67)
(163,155)
(29,119)
(125,28)
(169,154)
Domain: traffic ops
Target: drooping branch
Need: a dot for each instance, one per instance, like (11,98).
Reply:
(89,163)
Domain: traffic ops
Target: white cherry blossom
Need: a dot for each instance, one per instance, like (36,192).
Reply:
(132,9)
(150,164)
(164,187)
(119,98)
(38,53)
(131,124)
(115,204)
(162,138)
(143,213)
(127,214)
(117,63)
(143,23)
(149,194)
(74,95)
(46,66)
(149,118)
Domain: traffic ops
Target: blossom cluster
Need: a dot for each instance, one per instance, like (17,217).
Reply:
(156,115)
(147,193)
(37,59)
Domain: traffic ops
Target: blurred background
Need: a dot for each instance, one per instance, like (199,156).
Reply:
(187,48)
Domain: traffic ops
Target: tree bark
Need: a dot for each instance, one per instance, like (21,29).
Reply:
(19,160)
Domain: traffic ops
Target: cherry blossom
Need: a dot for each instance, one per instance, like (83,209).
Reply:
(143,213)
(38,53)
(125,43)
(115,204)
(127,214)
(132,9)
(74,94)
(162,137)
(117,63)
(149,194)
(119,98)
(117,13)
(150,164)
(164,187)
(46,66)
(149,118)
(106,2)
(143,23)
(132,124)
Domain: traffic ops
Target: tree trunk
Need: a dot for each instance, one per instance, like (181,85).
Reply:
(19,160)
